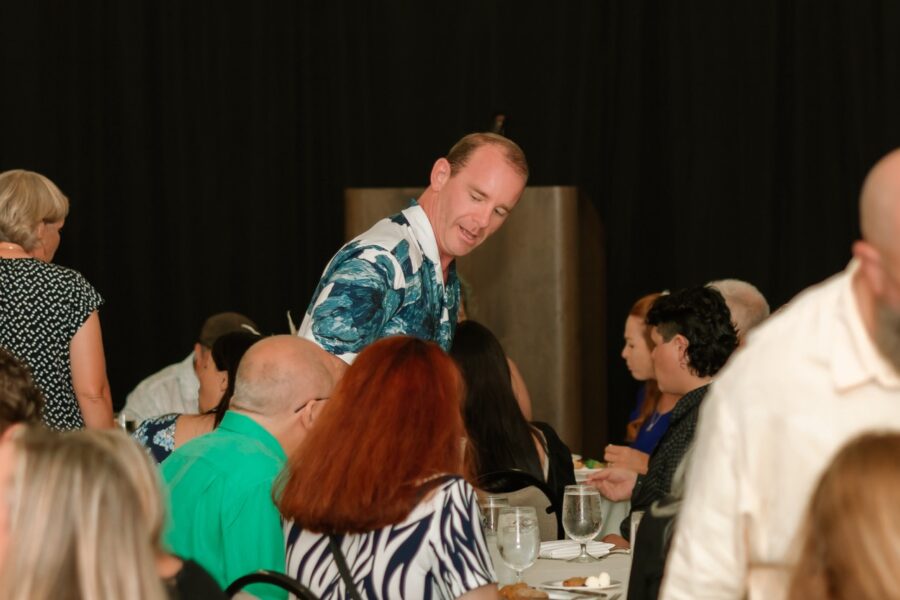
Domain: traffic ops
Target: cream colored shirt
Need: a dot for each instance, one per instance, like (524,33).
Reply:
(809,380)
(173,389)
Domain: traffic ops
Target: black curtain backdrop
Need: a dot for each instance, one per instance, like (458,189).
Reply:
(205,145)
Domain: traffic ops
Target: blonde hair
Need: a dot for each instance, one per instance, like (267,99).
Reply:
(28,199)
(849,544)
(81,519)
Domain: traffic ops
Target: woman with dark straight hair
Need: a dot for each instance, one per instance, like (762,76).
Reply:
(163,434)
(500,437)
(378,483)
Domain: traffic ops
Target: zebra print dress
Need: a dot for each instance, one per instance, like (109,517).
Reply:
(438,551)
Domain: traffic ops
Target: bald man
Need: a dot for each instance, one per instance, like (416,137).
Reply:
(820,372)
(220,484)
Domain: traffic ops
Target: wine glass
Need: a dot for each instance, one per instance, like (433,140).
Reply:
(518,538)
(490,510)
(581,517)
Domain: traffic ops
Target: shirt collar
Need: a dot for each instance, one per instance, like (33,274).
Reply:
(421,228)
(689,401)
(424,233)
(854,358)
(244,425)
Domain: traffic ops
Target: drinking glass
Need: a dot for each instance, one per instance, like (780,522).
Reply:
(490,510)
(581,517)
(518,538)
(635,521)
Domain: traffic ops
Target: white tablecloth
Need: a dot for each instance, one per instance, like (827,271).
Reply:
(617,565)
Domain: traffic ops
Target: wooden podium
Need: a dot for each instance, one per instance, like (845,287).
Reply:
(538,284)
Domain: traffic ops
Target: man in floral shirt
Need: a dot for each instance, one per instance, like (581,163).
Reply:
(399,277)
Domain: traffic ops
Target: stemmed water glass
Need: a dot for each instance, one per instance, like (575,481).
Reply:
(581,517)
(518,538)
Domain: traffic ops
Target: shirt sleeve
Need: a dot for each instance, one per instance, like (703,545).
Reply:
(253,539)
(464,561)
(83,301)
(708,556)
(357,296)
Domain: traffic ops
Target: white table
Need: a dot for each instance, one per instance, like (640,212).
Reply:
(547,569)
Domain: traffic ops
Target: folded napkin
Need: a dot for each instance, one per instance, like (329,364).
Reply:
(571,549)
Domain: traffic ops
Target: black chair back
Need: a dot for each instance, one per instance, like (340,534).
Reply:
(272,578)
(513,480)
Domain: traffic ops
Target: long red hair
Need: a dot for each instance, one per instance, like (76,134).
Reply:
(651,389)
(394,421)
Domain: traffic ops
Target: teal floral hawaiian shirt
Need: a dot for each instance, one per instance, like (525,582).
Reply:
(387,281)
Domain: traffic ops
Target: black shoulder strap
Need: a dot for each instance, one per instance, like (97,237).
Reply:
(342,567)
(336,547)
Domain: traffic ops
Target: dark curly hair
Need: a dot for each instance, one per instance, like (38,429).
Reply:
(701,315)
(20,400)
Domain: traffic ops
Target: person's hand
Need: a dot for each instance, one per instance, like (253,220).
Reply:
(614,483)
(626,458)
(616,540)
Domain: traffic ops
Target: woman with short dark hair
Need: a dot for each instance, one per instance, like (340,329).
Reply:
(20,400)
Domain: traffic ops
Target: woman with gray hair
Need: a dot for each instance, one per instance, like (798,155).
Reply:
(48,313)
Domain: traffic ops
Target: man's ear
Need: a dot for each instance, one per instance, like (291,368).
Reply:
(440,173)
(870,265)
(682,344)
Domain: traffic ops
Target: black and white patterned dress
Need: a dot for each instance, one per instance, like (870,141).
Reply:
(438,551)
(42,306)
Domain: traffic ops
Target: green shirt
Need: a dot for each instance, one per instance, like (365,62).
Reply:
(220,495)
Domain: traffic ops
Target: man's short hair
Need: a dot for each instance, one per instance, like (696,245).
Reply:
(20,400)
(748,306)
(461,151)
(221,323)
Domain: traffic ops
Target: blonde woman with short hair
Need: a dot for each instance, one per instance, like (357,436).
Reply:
(81,517)
(49,314)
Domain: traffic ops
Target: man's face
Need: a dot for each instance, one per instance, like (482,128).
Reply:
(887,312)
(667,360)
(474,203)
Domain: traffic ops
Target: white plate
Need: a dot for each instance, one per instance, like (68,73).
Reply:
(558,585)
(582,474)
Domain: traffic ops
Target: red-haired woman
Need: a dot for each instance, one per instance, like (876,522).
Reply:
(377,484)
(652,414)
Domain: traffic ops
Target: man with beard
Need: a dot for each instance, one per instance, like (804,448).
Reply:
(815,375)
